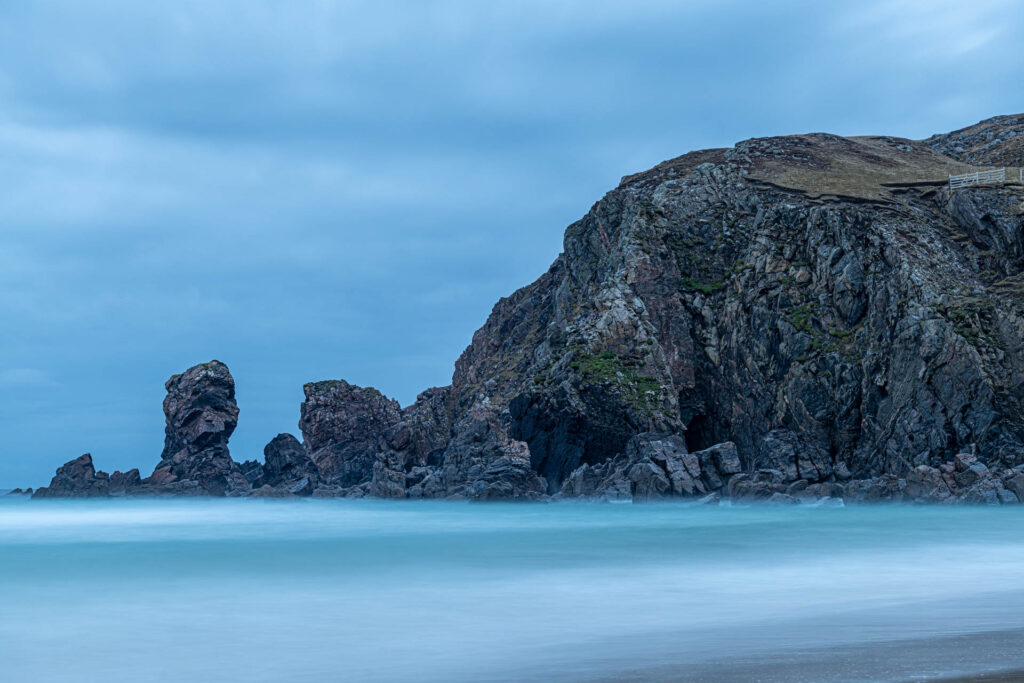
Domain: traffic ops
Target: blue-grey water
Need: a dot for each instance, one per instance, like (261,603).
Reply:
(334,590)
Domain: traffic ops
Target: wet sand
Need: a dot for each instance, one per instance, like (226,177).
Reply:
(991,657)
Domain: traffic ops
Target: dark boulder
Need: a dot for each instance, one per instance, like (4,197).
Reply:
(285,463)
(759,486)
(887,488)
(386,482)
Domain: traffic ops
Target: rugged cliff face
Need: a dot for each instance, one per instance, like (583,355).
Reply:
(824,303)
(804,316)
(779,286)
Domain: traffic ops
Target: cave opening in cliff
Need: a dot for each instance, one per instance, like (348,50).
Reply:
(699,433)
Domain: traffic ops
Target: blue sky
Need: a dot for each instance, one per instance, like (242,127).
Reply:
(316,190)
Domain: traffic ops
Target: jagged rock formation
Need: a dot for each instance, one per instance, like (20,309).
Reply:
(76,478)
(201,415)
(344,427)
(287,465)
(794,318)
(79,478)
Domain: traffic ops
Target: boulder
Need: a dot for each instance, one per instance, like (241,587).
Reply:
(286,463)
(668,455)
(927,484)
(718,463)
(302,487)
(758,486)
(1015,484)
(884,488)
(648,482)
(583,482)
(267,491)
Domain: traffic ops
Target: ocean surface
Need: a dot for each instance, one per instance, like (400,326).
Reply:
(335,590)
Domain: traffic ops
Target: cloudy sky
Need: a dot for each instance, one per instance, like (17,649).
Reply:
(315,190)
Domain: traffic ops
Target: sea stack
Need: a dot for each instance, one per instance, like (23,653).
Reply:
(201,415)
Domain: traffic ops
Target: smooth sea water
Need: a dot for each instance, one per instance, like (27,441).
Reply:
(336,590)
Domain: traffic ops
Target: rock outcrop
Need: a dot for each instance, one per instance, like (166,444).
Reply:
(76,478)
(998,141)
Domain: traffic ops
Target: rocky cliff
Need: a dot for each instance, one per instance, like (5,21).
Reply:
(824,304)
(808,316)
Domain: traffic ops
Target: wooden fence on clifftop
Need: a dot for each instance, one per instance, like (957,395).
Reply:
(998,175)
